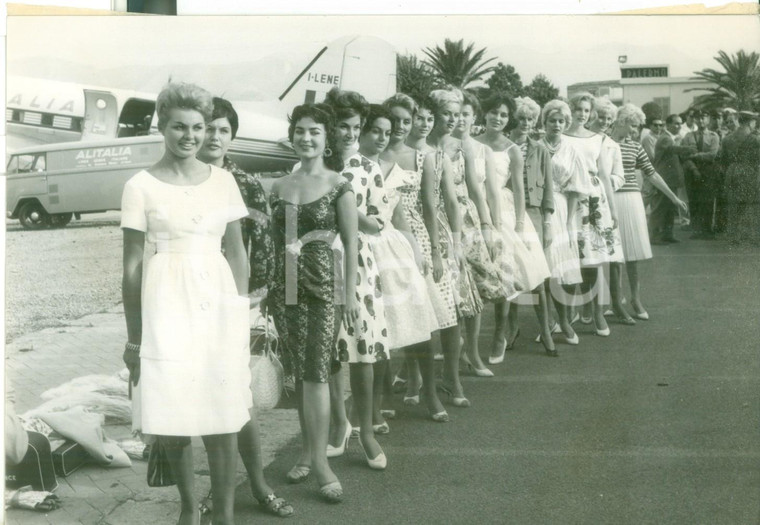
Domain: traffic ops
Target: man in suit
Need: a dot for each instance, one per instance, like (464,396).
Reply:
(700,176)
(668,165)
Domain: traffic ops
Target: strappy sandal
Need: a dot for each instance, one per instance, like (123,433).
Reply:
(298,473)
(276,506)
(332,492)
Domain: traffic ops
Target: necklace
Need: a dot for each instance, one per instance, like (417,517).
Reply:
(553,148)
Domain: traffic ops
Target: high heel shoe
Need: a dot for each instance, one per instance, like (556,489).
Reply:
(413,401)
(334,452)
(496,359)
(332,492)
(644,316)
(461,402)
(511,344)
(379,462)
(276,506)
(399,384)
(573,340)
(556,329)
(605,332)
(382,428)
(482,372)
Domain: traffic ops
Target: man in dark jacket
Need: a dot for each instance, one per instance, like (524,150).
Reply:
(701,177)
(668,164)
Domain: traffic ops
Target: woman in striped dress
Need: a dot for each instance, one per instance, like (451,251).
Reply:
(632,220)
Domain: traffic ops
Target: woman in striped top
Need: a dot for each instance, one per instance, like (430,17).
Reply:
(631,216)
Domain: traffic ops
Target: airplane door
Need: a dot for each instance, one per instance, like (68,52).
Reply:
(101,116)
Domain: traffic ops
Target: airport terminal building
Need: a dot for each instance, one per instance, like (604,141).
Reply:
(639,84)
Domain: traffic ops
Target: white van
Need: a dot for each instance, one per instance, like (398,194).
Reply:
(49,184)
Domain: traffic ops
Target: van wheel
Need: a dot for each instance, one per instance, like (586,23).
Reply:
(33,216)
(60,220)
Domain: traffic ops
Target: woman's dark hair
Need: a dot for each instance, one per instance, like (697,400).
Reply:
(472,101)
(501,99)
(425,102)
(377,111)
(223,109)
(347,104)
(321,114)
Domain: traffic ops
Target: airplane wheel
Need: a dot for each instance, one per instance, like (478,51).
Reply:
(33,216)
(60,220)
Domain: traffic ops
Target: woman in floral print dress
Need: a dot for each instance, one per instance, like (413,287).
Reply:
(596,216)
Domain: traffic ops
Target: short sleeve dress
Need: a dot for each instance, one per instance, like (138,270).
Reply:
(598,240)
(308,279)
(194,356)
(367,340)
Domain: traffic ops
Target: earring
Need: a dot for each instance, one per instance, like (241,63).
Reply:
(327,153)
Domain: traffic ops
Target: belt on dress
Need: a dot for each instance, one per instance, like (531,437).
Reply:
(189,245)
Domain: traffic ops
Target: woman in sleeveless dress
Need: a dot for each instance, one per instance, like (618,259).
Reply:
(596,216)
(365,343)
(530,271)
(481,217)
(448,250)
(313,213)
(570,185)
(410,181)
(187,314)
(408,311)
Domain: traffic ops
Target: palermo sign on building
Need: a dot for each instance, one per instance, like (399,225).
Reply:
(643,71)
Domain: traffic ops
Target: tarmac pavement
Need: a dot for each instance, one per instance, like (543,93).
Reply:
(657,423)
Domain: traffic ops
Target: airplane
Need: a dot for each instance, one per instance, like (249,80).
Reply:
(40,111)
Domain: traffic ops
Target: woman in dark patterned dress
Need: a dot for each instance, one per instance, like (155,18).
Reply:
(313,210)
(255,228)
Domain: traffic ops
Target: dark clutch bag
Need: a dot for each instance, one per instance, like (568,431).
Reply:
(159,470)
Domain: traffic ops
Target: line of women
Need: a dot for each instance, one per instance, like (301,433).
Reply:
(394,232)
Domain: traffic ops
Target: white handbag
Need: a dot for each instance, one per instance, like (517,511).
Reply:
(267,375)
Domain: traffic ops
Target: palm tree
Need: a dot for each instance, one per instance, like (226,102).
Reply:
(414,77)
(456,64)
(738,86)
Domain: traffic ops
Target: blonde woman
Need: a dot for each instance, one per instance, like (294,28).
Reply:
(631,214)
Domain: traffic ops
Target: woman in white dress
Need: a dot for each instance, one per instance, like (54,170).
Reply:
(409,314)
(410,181)
(596,216)
(187,313)
(530,270)
(570,184)
(493,270)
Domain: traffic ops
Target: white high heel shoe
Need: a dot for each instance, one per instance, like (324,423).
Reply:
(334,452)
(379,462)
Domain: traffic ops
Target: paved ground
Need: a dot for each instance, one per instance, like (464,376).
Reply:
(656,424)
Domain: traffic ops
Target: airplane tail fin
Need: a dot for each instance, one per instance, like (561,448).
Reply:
(357,63)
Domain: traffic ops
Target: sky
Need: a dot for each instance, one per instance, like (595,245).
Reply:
(567,49)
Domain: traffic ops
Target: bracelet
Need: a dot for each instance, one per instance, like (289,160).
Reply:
(132,347)
(486,224)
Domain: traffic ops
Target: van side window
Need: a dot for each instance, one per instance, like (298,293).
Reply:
(40,162)
(12,165)
(25,163)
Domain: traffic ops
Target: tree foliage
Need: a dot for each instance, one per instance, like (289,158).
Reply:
(414,77)
(456,64)
(737,86)
(505,79)
(541,90)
